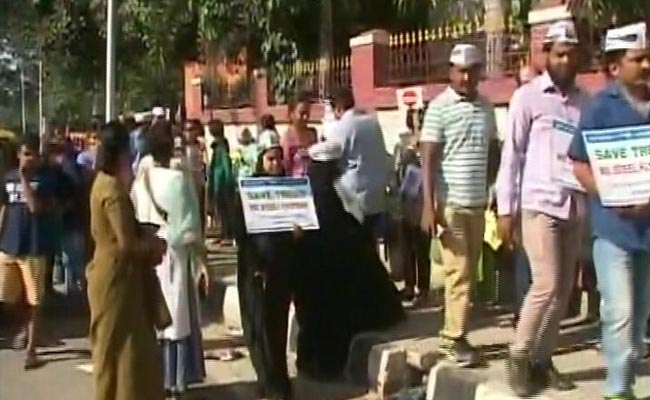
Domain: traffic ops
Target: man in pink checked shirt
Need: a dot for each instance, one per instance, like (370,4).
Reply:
(536,188)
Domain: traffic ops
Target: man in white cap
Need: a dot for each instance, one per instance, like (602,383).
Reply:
(621,248)
(458,135)
(537,205)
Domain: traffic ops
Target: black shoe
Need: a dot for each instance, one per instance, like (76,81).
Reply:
(550,377)
(408,297)
(460,352)
(520,375)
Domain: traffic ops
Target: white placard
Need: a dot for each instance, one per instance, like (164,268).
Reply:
(277,204)
(561,164)
(620,161)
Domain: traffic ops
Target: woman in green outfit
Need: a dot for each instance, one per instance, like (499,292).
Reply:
(221,180)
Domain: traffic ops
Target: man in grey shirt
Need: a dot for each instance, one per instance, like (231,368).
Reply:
(365,162)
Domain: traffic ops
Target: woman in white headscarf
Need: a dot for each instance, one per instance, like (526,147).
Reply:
(165,199)
(265,265)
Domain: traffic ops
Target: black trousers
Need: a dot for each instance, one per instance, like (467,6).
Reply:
(416,246)
(264,304)
(371,224)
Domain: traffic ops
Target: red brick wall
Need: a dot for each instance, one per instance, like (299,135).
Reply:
(193,101)
(368,70)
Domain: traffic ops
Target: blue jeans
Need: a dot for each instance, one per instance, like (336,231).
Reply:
(624,285)
(73,259)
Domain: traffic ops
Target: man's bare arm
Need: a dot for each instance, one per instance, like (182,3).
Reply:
(584,175)
(33,204)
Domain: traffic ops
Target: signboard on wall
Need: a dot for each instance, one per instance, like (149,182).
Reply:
(410,98)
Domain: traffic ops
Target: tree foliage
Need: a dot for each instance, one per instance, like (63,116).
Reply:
(156,36)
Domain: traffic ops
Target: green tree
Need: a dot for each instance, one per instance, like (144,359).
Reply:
(156,36)
(600,13)
(164,33)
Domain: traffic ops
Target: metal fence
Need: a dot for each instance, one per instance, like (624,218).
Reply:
(423,56)
(220,94)
(320,77)
(415,57)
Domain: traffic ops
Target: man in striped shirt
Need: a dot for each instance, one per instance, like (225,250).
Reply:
(459,144)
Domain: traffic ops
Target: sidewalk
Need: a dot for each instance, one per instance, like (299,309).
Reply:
(416,339)
(61,380)
(578,356)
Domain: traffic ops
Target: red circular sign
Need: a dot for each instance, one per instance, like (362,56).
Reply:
(410,97)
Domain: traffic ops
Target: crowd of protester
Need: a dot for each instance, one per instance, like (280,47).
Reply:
(122,223)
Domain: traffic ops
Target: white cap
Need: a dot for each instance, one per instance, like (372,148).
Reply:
(139,118)
(326,151)
(466,55)
(561,32)
(629,37)
(158,112)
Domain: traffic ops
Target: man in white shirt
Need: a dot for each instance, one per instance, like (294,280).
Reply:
(365,162)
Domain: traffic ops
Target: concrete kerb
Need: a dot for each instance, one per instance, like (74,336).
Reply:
(446,381)
(375,360)
(499,391)
(387,365)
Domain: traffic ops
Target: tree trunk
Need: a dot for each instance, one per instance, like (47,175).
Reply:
(326,46)
(97,100)
(494,21)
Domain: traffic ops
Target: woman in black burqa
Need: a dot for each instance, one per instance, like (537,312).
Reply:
(264,265)
(341,285)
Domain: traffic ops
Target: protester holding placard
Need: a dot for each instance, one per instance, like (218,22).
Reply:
(535,187)
(616,127)
(264,271)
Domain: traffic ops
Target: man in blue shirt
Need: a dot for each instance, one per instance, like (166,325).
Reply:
(26,194)
(622,235)
(365,161)
(69,196)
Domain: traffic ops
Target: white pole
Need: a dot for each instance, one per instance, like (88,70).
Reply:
(22,98)
(41,119)
(110,61)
